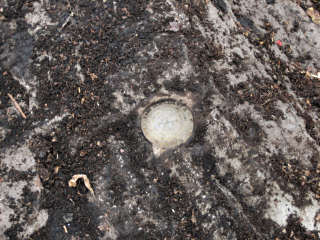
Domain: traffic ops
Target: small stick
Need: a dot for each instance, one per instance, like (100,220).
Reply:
(66,21)
(17,106)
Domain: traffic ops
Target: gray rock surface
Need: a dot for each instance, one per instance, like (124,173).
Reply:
(84,71)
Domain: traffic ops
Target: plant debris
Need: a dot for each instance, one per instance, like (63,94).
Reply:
(314,14)
(17,106)
(279,43)
(74,179)
(308,74)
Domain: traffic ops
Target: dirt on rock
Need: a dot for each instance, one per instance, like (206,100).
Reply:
(82,72)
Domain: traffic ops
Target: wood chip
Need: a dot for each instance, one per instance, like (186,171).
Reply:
(83,153)
(17,106)
(56,170)
(74,179)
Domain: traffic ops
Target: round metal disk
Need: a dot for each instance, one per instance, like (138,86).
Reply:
(167,124)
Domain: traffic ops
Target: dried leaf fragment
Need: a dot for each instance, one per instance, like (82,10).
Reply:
(314,14)
(74,179)
(279,43)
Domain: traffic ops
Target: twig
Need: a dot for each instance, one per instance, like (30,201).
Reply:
(66,21)
(268,101)
(17,106)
